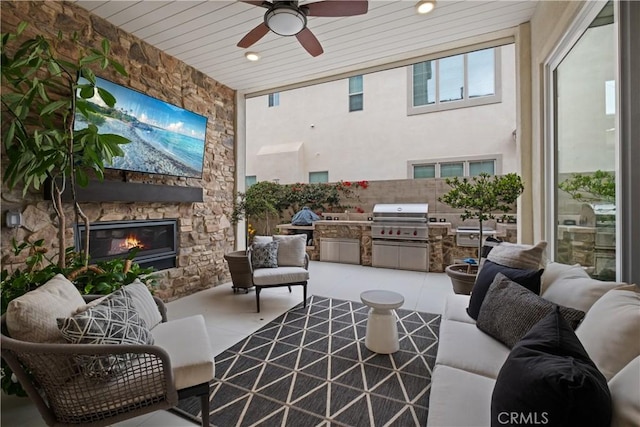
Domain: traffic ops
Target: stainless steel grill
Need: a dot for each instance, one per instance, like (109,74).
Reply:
(400,235)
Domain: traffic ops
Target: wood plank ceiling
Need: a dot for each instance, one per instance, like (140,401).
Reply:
(204,35)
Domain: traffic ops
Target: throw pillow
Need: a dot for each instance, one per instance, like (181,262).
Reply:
(577,292)
(489,243)
(262,239)
(610,331)
(264,255)
(509,311)
(548,379)
(291,249)
(144,303)
(530,279)
(113,321)
(32,316)
(625,394)
(518,256)
(556,271)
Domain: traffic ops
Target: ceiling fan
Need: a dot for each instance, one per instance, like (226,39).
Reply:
(287,18)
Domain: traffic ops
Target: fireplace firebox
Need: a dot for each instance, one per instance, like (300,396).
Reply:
(155,240)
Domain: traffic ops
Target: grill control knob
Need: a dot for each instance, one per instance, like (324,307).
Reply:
(415,232)
(381,231)
(398,232)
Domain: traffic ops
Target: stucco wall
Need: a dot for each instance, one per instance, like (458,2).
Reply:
(205,232)
(376,143)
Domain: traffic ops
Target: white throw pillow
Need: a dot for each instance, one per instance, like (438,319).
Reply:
(578,292)
(525,257)
(144,303)
(262,239)
(291,250)
(610,332)
(555,271)
(32,316)
(625,395)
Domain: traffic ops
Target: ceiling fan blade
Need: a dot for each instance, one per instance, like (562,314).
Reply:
(260,3)
(335,8)
(254,35)
(309,42)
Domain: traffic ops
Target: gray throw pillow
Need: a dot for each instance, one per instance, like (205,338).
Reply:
(509,311)
(264,255)
(113,321)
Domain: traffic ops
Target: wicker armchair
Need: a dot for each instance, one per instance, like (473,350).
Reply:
(66,397)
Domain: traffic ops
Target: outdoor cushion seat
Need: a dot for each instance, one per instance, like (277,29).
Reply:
(291,267)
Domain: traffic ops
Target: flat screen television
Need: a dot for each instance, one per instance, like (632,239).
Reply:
(165,139)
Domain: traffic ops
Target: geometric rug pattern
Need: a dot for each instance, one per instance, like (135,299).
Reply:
(310,367)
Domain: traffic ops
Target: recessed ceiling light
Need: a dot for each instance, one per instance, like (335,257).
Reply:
(425,6)
(252,56)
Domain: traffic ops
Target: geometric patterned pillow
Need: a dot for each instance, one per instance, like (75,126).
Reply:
(264,255)
(113,321)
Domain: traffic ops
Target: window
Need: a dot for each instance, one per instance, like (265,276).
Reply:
(457,81)
(274,99)
(316,177)
(356,96)
(250,180)
(424,171)
(454,167)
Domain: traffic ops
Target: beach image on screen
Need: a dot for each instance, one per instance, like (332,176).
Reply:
(165,139)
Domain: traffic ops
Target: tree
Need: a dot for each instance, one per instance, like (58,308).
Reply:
(42,93)
(482,196)
(599,186)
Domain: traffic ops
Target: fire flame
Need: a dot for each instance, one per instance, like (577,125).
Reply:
(131,242)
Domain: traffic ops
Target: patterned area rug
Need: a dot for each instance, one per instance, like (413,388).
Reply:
(310,367)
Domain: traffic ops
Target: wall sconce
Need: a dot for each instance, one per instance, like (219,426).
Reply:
(13,219)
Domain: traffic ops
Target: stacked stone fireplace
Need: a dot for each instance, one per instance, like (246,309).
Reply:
(152,243)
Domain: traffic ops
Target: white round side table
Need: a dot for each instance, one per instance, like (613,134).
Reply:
(382,330)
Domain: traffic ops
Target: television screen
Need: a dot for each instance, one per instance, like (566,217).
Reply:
(165,139)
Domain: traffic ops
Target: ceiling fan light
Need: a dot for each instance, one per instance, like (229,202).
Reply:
(285,20)
(425,6)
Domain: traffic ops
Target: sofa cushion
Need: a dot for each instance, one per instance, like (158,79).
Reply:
(509,311)
(114,321)
(144,303)
(555,271)
(530,279)
(577,291)
(625,395)
(291,250)
(264,255)
(456,309)
(32,316)
(280,275)
(461,345)
(610,332)
(187,342)
(549,379)
(459,398)
(525,257)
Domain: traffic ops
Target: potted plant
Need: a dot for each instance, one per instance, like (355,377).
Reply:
(42,92)
(480,197)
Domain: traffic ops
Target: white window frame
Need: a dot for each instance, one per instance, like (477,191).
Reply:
(497,159)
(356,93)
(465,101)
(273,99)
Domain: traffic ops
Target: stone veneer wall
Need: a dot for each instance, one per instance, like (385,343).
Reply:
(205,232)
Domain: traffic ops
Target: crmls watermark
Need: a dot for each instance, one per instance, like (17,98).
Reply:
(523,418)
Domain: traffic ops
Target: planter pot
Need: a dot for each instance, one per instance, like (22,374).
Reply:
(462,276)
(239,269)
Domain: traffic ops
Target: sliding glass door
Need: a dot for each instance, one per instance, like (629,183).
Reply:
(585,149)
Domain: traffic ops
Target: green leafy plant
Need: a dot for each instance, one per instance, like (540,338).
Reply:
(596,187)
(482,196)
(42,90)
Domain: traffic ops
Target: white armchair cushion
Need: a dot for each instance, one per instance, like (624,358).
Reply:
(32,316)
(187,342)
(291,250)
(279,276)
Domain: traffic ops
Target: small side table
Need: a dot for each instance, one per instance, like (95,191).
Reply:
(382,330)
